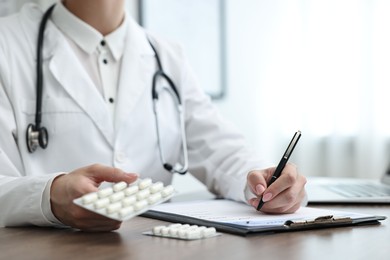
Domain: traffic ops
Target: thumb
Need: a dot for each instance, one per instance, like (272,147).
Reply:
(102,173)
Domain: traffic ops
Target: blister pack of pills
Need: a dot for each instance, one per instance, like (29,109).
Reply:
(123,201)
(183,231)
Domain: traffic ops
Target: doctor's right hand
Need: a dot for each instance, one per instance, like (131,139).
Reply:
(67,187)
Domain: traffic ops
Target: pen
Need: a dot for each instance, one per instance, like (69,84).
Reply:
(282,163)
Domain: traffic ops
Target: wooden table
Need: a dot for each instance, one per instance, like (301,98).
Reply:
(350,243)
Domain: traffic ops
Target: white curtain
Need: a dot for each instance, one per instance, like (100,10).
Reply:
(319,66)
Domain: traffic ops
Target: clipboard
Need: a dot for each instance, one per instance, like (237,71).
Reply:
(242,219)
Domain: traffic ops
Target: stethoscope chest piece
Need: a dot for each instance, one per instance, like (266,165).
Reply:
(36,137)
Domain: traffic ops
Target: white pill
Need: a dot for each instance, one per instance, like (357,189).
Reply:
(175,225)
(119,186)
(117,196)
(194,233)
(140,205)
(157,230)
(122,201)
(89,198)
(105,192)
(208,232)
(154,198)
(143,194)
(114,207)
(156,187)
(128,201)
(185,229)
(202,227)
(182,233)
(165,231)
(174,231)
(143,184)
(168,190)
(124,212)
(131,190)
(101,203)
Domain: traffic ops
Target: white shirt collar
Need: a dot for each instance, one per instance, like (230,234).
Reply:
(87,37)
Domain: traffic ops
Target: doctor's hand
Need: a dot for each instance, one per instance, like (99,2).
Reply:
(285,195)
(65,188)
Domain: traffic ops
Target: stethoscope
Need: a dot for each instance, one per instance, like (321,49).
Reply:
(38,136)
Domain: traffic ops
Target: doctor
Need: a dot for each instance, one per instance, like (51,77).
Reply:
(97,70)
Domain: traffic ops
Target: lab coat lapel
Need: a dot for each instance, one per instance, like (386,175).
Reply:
(68,71)
(138,66)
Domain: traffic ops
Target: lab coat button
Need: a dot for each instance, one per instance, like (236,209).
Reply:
(120,157)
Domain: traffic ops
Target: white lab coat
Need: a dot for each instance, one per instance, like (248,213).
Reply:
(80,128)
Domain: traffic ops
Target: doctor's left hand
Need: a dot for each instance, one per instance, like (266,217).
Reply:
(65,188)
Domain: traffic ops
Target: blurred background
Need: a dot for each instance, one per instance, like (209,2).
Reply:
(274,67)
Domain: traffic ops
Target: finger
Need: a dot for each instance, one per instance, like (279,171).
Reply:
(257,182)
(101,229)
(290,209)
(290,195)
(282,210)
(98,226)
(105,173)
(285,181)
(85,220)
(285,201)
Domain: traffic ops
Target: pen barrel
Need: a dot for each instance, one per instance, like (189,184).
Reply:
(272,180)
(278,171)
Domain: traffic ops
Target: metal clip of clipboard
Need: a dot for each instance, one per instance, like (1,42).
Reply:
(320,221)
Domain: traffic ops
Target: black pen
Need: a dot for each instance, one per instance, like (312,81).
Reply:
(282,163)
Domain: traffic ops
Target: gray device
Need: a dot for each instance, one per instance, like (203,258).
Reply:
(349,190)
